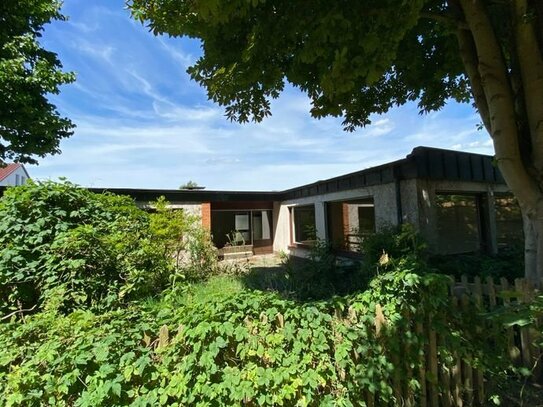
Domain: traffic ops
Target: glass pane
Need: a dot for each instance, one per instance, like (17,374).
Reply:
(304,224)
(508,220)
(242,221)
(457,224)
(261,225)
(257,225)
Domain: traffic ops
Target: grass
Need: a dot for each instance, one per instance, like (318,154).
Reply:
(215,287)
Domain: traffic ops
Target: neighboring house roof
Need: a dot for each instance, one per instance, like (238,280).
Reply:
(8,169)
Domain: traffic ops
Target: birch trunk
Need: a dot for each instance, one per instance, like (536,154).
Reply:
(533,247)
(489,74)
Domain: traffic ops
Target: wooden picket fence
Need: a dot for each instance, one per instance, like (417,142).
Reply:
(463,385)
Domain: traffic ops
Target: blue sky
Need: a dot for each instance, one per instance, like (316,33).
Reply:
(142,123)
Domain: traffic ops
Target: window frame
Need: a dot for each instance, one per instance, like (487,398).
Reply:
(293,230)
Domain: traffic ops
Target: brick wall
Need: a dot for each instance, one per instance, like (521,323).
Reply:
(206,215)
(345,214)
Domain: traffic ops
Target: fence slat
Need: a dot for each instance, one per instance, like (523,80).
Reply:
(466,368)
(457,370)
(480,385)
(370,399)
(491,292)
(445,379)
(409,396)
(432,365)
(514,351)
(396,378)
(457,383)
(525,343)
(422,370)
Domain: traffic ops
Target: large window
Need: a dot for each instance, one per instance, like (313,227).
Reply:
(349,222)
(458,223)
(304,224)
(251,227)
(508,220)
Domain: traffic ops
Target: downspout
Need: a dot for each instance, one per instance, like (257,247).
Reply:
(397,184)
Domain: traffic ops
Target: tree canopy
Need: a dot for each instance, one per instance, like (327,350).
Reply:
(355,58)
(190,185)
(30,125)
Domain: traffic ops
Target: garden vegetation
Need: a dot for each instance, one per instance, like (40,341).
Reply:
(104,304)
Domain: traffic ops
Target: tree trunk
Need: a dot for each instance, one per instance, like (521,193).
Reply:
(533,245)
(487,69)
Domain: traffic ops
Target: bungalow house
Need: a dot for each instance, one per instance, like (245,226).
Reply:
(458,201)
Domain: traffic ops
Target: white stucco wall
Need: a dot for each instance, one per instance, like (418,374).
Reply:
(384,198)
(12,178)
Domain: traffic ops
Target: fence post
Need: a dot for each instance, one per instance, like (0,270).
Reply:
(466,367)
(422,367)
(457,369)
(525,343)
(480,386)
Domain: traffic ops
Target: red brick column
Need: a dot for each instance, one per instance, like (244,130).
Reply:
(206,215)
(345,213)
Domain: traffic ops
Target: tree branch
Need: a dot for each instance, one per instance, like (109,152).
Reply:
(19,311)
(499,98)
(446,18)
(468,53)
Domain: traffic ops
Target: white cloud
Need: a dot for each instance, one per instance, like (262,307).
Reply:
(143,123)
(173,112)
(379,128)
(177,54)
(100,51)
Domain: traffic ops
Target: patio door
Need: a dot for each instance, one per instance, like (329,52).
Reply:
(262,231)
(243,227)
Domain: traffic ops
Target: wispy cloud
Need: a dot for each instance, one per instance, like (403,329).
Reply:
(177,54)
(143,123)
(100,51)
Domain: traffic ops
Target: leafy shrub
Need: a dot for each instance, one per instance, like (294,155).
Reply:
(396,242)
(98,247)
(234,348)
(185,240)
(508,263)
(319,276)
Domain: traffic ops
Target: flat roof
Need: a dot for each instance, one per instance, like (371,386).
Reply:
(422,162)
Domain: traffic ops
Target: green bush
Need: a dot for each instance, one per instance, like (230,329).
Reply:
(321,275)
(98,247)
(396,241)
(184,240)
(234,348)
(508,263)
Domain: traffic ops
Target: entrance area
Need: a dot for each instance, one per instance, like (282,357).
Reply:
(248,227)
(349,222)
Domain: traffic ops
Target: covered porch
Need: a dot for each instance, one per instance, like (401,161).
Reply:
(241,229)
